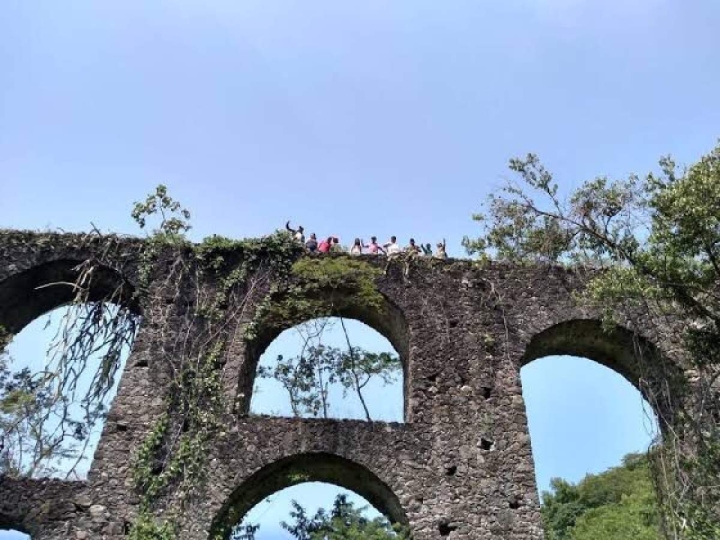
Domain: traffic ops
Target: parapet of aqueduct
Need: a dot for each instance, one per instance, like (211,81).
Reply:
(460,466)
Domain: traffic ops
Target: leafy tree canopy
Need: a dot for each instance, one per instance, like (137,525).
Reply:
(618,504)
(343,521)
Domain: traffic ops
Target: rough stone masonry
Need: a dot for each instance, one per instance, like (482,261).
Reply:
(460,466)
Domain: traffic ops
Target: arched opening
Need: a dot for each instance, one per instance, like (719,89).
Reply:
(313,474)
(330,368)
(386,319)
(27,295)
(71,327)
(347,309)
(593,415)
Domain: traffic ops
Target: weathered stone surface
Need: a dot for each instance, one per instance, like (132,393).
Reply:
(459,467)
(36,506)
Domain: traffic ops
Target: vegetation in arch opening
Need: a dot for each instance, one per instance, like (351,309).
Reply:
(317,364)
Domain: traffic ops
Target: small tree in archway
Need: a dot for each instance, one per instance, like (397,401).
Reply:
(343,521)
(307,377)
(310,377)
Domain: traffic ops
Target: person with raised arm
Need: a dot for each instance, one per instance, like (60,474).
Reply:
(298,234)
(440,252)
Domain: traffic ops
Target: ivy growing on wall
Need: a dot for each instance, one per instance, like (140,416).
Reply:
(319,287)
(215,284)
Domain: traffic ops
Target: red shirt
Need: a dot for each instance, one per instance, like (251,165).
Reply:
(324,246)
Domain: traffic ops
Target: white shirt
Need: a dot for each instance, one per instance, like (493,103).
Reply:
(393,249)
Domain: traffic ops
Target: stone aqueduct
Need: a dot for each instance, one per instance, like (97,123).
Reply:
(460,466)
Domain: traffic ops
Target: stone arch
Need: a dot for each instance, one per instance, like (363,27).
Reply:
(29,294)
(307,467)
(623,351)
(37,506)
(389,321)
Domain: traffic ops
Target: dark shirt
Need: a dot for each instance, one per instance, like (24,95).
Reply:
(311,245)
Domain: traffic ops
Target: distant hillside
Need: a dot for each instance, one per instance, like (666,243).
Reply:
(619,504)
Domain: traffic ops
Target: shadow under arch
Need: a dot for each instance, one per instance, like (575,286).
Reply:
(389,321)
(301,468)
(632,356)
(31,293)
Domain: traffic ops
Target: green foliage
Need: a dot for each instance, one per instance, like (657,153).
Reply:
(308,376)
(146,456)
(320,287)
(25,447)
(157,464)
(171,460)
(146,527)
(43,421)
(244,532)
(231,262)
(342,522)
(275,252)
(5,338)
(173,217)
(615,505)
(337,273)
(657,241)
(535,225)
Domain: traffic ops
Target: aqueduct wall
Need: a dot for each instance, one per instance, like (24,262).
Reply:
(459,467)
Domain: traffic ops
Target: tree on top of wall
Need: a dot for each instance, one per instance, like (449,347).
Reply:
(656,241)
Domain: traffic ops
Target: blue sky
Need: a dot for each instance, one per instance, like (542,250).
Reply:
(352,118)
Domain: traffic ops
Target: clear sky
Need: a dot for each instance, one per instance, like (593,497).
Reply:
(352,118)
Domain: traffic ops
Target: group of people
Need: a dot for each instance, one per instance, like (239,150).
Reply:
(331,244)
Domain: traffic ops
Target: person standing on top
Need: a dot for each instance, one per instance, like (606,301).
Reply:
(374,248)
(335,247)
(427,250)
(413,249)
(312,244)
(357,247)
(324,246)
(392,248)
(440,252)
(297,234)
